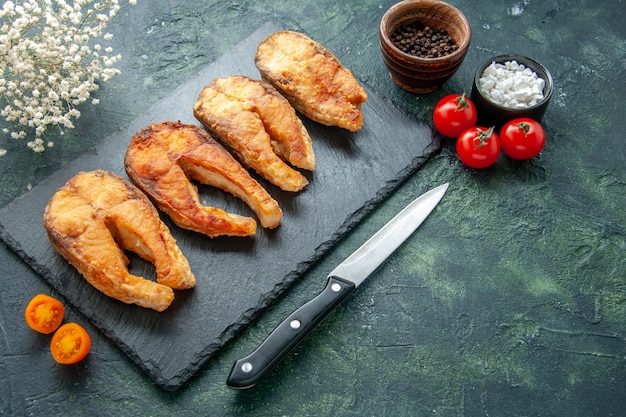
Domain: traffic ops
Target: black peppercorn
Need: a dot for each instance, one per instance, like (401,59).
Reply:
(423,41)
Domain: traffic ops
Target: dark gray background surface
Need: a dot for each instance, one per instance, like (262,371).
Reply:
(509,301)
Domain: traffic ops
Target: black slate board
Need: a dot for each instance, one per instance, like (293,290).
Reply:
(236,277)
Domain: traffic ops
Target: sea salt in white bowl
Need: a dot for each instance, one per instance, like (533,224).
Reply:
(507,87)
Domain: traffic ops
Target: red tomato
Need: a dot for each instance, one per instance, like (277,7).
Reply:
(453,114)
(70,344)
(522,138)
(478,147)
(44,314)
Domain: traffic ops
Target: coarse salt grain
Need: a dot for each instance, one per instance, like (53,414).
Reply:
(511,85)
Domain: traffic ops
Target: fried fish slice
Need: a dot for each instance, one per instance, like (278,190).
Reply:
(162,158)
(312,79)
(253,120)
(96,214)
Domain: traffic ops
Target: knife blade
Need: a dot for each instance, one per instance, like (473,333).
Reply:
(341,282)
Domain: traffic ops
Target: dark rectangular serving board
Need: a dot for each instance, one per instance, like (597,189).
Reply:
(236,277)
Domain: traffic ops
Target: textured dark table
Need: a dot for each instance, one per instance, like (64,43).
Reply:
(510,301)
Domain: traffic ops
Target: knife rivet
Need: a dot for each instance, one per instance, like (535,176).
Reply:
(295,324)
(246,367)
(335,287)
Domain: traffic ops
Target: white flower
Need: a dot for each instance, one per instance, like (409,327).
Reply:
(47,63)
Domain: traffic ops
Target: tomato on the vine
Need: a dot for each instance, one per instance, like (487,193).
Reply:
(453,114)
(522,138)
(478,147)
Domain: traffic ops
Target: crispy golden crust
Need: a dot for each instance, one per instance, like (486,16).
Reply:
(96,214)
(162,158)
(312,79)
(253,120)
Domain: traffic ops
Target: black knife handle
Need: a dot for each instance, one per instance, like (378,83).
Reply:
(246,372)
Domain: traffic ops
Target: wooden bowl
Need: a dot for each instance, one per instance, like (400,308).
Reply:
(423,75)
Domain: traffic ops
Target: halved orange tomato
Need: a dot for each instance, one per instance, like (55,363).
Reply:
(70,344)
(44,314)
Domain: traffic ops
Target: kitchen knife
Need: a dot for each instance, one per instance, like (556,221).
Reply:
(342,281)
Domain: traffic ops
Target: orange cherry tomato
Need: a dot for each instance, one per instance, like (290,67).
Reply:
(70,344)
(44,314)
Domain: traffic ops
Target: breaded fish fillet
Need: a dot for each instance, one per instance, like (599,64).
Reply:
(162,158)
(254,121)
(93,217)
(312,79)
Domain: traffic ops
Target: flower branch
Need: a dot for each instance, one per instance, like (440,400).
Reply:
(50,63)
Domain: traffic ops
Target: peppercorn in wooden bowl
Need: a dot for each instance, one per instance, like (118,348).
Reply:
(423,43)
(508,87)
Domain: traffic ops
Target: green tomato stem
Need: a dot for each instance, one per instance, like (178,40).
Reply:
(483,137)
(525,127)
(461,103)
